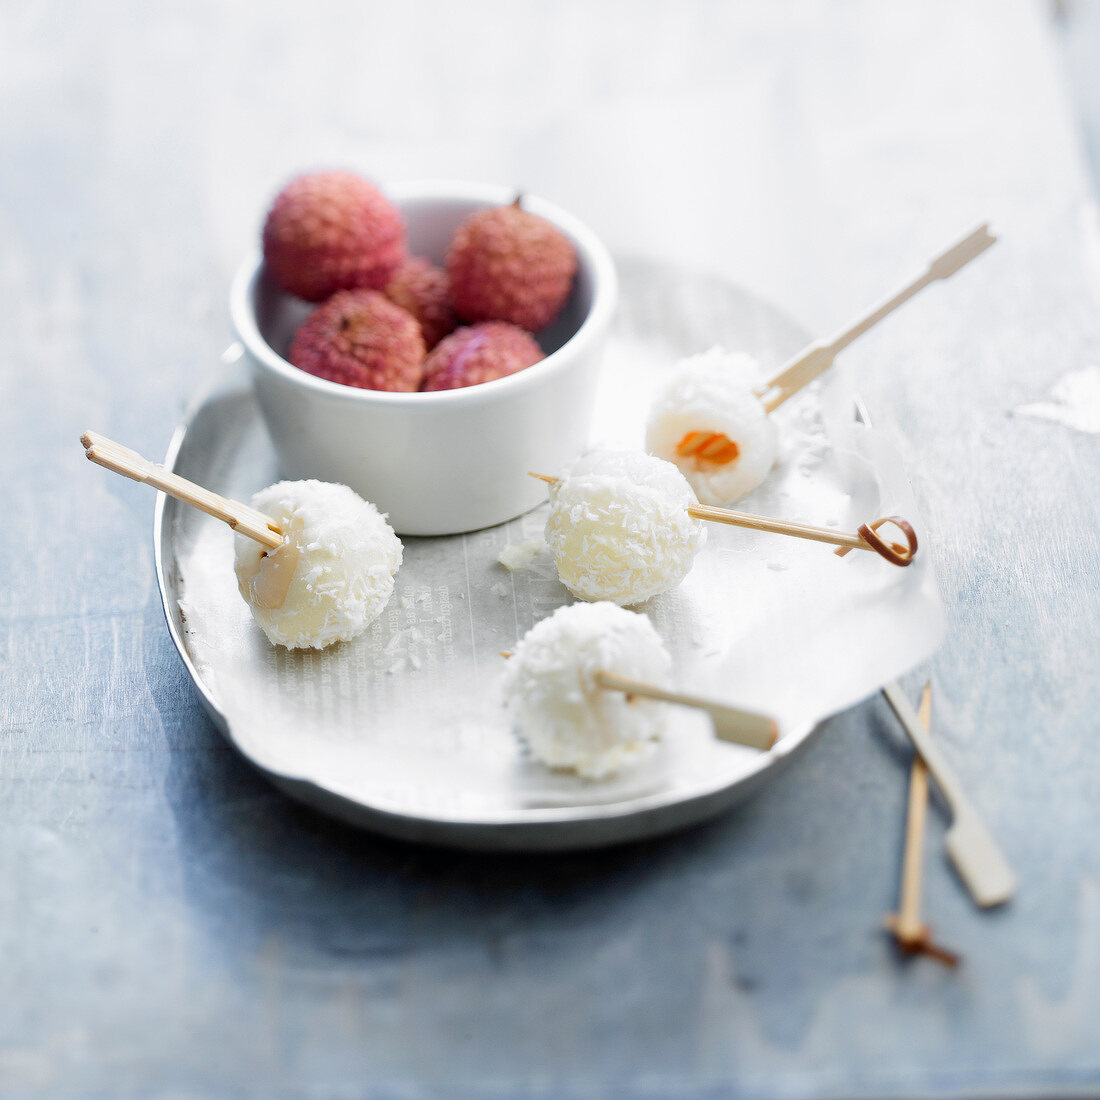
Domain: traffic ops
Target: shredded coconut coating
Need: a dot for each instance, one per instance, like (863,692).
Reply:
(565,718)
(347,558)
(619,529)
(516,556)
(713,392)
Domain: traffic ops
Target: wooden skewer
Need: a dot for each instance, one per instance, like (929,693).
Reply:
(819,356)
(977,858)
(865,539)
(912,934)
(742,727)
(247,521)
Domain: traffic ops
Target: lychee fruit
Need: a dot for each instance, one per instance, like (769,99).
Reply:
(507,264)
(360,338)
(330,231)
(479,353)
(424,290)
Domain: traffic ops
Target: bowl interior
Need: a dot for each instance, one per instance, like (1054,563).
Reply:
(431,224)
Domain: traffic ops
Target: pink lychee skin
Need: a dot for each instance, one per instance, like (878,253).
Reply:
(479,353)
(424,290)
(330,231)
(506,264)
(360,338)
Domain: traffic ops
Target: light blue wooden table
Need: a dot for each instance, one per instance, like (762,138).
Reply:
(170,926)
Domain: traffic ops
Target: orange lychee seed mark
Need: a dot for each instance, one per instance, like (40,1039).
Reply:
(713,447)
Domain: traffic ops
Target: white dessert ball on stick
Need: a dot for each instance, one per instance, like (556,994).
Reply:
(708,420)
(619,528)
(551,688)
(314,562)
(603,551)
(333,574)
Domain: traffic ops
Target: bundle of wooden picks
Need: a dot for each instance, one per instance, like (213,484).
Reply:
(914,937)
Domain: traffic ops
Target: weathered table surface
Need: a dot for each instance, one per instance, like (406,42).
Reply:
(172,926)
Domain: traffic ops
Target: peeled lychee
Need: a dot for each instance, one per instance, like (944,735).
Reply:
(360,338)
(507,264)
(331,231)
(479,353)
(424,290)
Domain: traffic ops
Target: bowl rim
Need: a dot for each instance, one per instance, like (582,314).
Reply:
(591,253)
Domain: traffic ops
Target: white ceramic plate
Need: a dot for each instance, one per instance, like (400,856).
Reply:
(403,730)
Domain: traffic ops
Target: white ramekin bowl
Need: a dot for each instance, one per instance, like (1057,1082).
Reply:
(451,461)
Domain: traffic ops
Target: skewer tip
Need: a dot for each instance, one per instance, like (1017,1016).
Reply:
(762,733)
(919,942)
(773,735)
(543,477)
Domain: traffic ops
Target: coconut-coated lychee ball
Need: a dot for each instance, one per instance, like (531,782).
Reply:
(707,419)
(424,290)
(551,688)
(619,527)
(330,231)
(360,338)
(479,353)
(506,264)
(332,576)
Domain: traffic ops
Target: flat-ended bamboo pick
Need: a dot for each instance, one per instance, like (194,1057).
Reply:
(247,521)
(976,856)
(866,538)
(819,356)
(913,935)
(742,727)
